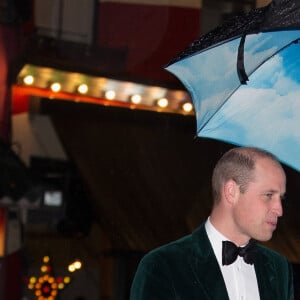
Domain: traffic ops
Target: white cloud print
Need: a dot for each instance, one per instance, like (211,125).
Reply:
(263,113)
(265,117)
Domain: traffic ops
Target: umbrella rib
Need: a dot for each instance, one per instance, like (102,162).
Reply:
(240,62)
(258,66)
(233,91)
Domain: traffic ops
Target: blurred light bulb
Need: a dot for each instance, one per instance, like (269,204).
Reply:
(163,102)
(46,259)
(44,269)
(110,94)
(32,279)
(77,264)
(136,98)
(28,80)
(55,87)
(71,268)
(83,88)
(61,286)
(187,107)
(67,280)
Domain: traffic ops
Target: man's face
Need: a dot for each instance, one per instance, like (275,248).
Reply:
(256,211)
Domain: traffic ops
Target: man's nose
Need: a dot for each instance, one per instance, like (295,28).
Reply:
(277,208)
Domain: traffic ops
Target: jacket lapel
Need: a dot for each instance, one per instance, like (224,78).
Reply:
(264,270)
(209,276)
(205,266)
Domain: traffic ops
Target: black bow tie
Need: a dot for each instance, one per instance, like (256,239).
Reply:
(230,252)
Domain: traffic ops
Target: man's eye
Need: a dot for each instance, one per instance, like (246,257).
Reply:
(269,195)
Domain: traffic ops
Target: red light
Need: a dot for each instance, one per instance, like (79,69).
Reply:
(46,289)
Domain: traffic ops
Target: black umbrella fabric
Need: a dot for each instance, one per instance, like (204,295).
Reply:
(278,15)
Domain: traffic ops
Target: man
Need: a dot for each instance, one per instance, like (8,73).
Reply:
(248,186)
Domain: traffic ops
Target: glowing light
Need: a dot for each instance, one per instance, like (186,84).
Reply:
(163,102)
(67,280)
(54,286)
(61,286)
(136,99)
(44,268)
(55,87)
(83,88)
(187,107)
(32,279)
(30,286)
(46,287)
(78,85)
(71,268)
(77,264)
(37,286)
(110,95)
(28,80)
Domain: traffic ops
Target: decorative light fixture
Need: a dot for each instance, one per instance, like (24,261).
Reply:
(28,80)
(79,87)
(83,88)
(163,102)
(76,265)
(187,107)
(110,94)
(55,87)
(46,286)
(135,99)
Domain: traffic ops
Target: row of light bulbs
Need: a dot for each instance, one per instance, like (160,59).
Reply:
(136,99)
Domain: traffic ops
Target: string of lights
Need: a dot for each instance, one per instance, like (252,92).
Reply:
(107,91)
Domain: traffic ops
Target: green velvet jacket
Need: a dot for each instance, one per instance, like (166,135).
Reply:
(187,269)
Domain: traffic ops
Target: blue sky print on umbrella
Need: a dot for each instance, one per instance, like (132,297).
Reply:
(266,111)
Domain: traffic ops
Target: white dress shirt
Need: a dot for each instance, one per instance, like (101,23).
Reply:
(240,278)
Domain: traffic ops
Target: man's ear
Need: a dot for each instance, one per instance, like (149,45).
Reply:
(231,191)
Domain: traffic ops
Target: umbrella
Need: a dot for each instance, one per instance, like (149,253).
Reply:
(244,80)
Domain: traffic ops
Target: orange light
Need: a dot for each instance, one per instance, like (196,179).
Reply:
(32,279)
(67,280)
(46,259)
(30,286)
(44,269)
(61,286)
(54,286)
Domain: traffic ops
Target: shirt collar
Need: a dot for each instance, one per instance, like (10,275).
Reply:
(215,238)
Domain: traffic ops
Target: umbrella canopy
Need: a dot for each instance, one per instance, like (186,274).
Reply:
(244,79)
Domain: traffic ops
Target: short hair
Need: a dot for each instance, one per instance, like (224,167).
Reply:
(237,164)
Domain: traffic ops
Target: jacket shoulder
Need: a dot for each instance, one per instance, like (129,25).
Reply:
(271,254)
